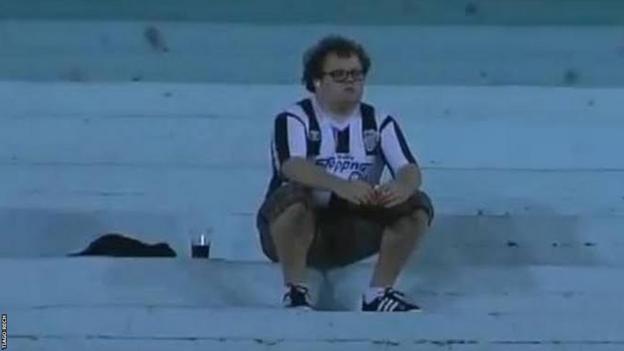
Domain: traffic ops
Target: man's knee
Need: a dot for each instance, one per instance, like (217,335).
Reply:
(297,219)
(417,209)
(421,217)
(298,213)
(421,208)
(411,223)
(286,196)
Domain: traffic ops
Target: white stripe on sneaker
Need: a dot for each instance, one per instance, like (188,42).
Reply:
(387,305)
(393,305)
(382,305)
(379,305)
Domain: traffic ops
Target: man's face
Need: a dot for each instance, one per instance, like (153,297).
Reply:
(342,82)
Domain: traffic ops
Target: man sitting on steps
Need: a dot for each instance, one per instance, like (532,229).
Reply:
(325,207)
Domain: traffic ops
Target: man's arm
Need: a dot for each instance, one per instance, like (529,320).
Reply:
(394,147)
(402,164)
(303,171)
(410,177)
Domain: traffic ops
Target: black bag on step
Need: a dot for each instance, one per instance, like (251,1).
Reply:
(118,245)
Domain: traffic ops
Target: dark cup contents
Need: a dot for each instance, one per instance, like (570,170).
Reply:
(200,251)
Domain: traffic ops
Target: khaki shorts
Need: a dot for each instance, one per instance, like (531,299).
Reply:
(344,234)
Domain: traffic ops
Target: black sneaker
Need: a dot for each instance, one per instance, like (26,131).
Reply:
(390,301)
(297,297)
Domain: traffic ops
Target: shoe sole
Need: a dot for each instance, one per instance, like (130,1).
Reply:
(299,308)
(410,311)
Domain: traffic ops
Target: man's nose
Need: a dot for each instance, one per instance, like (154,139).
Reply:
(350,80)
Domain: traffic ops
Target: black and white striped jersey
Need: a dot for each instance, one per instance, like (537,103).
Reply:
(358,147)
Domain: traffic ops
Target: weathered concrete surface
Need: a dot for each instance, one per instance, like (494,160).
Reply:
(129,302)
(363,12)
(126,51)
(533,166)
(525,253)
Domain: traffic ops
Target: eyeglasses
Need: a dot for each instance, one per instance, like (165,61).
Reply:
(342,75)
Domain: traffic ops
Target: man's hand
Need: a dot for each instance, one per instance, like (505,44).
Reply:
(356,192)
(393,193)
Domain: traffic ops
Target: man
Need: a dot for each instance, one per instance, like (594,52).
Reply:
(325,207)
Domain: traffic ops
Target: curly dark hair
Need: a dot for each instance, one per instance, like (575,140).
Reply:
(314,57)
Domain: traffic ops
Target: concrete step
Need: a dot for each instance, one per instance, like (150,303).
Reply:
(105,303)
(87,51)
(365,12)
(75,282)
(486,239)
(227,125)
(202,344)
(271,329)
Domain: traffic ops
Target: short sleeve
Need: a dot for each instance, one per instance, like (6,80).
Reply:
(394,147)
(289,137)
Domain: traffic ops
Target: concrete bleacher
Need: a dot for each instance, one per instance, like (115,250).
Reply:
(525,253)
(496,156)
(122,304)
(364,12)
(152,120)
(253,53)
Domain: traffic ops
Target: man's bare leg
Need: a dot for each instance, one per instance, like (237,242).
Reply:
(292,233)
(398,243)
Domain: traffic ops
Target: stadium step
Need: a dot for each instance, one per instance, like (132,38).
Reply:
(101,303)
